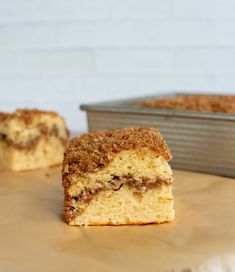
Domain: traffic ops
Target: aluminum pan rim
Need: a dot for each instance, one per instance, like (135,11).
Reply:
(129,106)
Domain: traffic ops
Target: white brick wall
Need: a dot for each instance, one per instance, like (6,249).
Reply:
(56,54)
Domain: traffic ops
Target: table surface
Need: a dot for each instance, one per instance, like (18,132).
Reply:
(34,236)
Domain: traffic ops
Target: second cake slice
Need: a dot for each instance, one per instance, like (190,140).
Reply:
(118,177)
(31,139)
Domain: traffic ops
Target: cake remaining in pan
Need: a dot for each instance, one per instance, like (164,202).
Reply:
(31,139)
(118,177)
(202,103)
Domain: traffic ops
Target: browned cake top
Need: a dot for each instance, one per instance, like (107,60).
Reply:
(202,103)
(95,150)
(26,115)
(3,116)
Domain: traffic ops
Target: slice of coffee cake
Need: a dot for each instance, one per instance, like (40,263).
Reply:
(118,177)
(31,139)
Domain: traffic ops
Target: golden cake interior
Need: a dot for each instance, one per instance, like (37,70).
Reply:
(31,139)
(134,186)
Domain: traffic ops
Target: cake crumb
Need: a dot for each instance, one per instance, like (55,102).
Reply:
(48,174)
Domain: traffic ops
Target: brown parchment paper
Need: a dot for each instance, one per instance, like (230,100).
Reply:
(34,237)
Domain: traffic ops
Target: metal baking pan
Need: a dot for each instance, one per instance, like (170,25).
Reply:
(199,141)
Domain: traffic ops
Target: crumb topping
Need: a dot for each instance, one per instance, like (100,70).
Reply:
(202,103)
(95,150)
(25,115)
(3,116)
